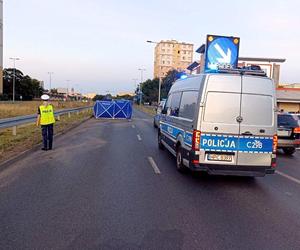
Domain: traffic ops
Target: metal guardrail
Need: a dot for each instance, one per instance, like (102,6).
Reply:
(20,120)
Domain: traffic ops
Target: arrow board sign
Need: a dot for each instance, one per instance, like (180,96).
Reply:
(221,52)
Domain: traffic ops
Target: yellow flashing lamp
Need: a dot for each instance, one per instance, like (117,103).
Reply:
(235,40)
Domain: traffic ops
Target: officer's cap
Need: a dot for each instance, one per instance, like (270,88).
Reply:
(45,97)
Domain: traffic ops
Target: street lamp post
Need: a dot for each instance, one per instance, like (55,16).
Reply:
(142,79)
(135,81)
(159,77)
(50,79)
(14,59)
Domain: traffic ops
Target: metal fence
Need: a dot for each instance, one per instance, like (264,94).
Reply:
(13,122)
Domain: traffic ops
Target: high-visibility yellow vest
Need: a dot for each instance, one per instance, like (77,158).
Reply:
(47,115)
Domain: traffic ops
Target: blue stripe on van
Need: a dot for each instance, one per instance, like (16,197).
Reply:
(174,132)
(227,143)
(188,138)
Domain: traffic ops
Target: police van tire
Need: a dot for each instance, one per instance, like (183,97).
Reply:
(160,145)
(289,151)
(179,161)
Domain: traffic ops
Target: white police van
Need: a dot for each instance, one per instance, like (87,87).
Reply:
(223,123)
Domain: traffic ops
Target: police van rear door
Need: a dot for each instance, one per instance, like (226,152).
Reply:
(257,125)
(219,127)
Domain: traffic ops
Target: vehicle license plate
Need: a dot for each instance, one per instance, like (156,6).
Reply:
(219,157)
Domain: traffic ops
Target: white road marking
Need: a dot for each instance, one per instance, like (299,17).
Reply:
(133,126)
(153,165)
(139,137)
(288,177)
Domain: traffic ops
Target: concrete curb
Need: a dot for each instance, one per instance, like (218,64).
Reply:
(4,165)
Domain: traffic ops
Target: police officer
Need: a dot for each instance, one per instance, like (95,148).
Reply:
(46,119)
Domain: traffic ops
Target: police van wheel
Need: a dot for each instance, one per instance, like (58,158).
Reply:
(179,161)
(160,145)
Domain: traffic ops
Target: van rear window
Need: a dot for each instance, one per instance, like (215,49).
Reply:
(257,110)
(222,107)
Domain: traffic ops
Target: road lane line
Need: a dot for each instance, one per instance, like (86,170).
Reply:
(139,137)
(153,165)
(133,126)
(288,177)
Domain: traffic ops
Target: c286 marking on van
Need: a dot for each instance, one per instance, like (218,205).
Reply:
(254,144)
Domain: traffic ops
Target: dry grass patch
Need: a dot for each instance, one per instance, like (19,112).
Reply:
(28,108)
(146,109)
(30,135)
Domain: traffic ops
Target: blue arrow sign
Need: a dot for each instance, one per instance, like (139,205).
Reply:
(221,52)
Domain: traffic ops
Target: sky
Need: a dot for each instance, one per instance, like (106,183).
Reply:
(99,45)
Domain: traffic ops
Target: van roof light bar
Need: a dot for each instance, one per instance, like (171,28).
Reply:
(243,71)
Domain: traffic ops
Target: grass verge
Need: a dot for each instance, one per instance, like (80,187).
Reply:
(30,135)
(146,109)
(8,109)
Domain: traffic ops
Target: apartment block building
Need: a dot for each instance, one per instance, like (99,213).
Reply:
(170,55)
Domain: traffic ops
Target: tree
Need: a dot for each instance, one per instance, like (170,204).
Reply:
(168,82)
(25,86)
(150,90)
(98,98)
(126,97)
(150,87)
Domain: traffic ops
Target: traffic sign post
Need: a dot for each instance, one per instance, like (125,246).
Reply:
(222,52)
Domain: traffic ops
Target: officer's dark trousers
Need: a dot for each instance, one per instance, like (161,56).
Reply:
(47,132)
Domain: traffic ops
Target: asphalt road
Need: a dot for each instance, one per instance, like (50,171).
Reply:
(107,186)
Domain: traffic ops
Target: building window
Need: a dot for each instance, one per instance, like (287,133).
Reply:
(163,62)
(163,50)
(183,58)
